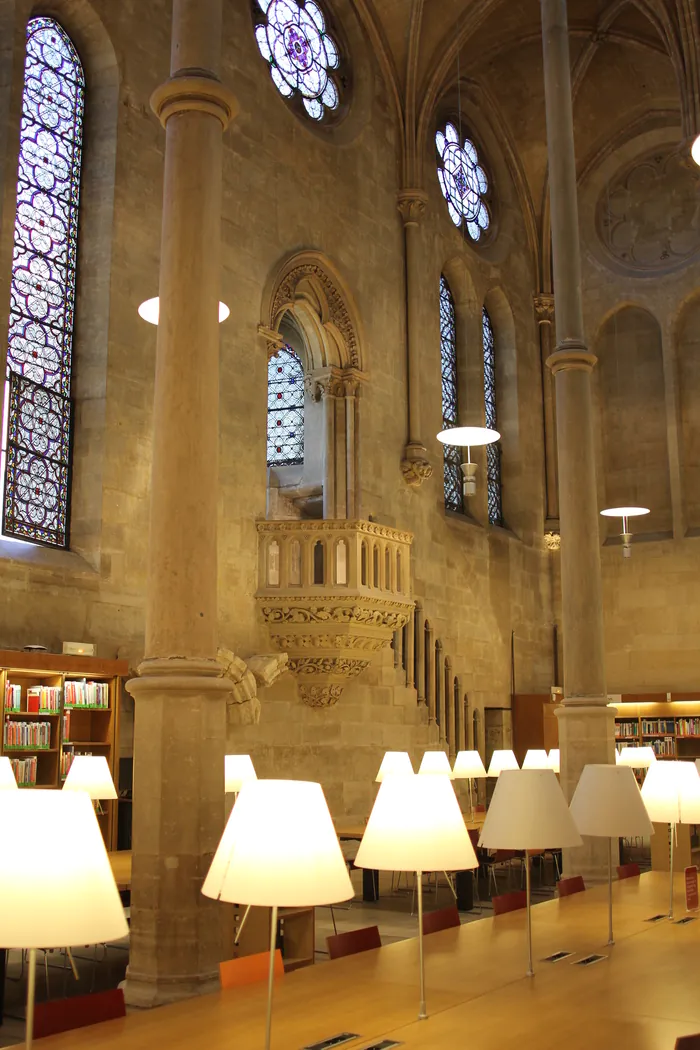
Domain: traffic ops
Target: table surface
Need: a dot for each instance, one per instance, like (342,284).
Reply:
(640,997)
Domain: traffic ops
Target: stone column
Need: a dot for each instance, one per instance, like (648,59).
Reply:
(419,625)
(586,724)
(180,723)
(409,648)
(415,466)
(329,387)
(350,388)
(544,315)
(430,674)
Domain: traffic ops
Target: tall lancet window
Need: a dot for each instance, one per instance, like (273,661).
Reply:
(285,409)
(493,452)
(36,446)
(448,356)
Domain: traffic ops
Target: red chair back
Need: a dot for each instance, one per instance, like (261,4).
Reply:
(574,884)
(628,871)
(64,1014)
(509,902)
(444,919)
(353,941)
(474,836)
(688,1042)
(249,969)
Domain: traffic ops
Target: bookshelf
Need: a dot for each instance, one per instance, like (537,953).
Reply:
(670,726)
(56,707)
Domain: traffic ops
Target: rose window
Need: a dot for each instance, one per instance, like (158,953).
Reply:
(463,182)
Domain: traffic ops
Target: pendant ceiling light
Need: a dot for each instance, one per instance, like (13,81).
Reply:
(625,513)
(695,151)
(150,311)
(468,437)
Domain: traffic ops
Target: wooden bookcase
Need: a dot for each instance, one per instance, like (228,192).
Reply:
(672,727)
(296,934)
(71,730)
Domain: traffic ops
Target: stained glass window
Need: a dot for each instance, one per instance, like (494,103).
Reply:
(493,452)
(293,37)
(285,409)
(463,182)
(452,456)
(37,409)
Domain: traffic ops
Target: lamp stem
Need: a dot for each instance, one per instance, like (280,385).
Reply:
(611,939)
(271,975)
(530,970)
(471,800)
(422,1012)
(670,898)
(31,995)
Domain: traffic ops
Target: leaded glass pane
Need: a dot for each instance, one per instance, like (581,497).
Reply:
(452,456)
(493,452)
(463,182)
(285,409)
(36,445)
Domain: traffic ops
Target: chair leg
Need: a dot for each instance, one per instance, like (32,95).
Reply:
(335,928)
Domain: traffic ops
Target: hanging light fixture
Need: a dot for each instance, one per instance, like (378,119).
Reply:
(469,438)
(150,311)
(625,513)
(695,151)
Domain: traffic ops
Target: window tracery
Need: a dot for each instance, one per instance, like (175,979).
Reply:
(493,451)
(452,456)
(285,409)
(463,182)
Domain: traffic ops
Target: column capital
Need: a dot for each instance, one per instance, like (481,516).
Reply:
(415,466)
(411,204)
(571,356)
(544,308)
(201,93)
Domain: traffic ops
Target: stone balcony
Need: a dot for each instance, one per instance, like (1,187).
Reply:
(332,594)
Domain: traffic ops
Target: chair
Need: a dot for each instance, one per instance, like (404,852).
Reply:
(574,884)
(444,919)
(688,1042)
(62,1015)
(628,871)
(249,969)
(492,860)
(353,941)
(509,902)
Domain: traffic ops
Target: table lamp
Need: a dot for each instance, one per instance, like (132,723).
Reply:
(394,763)
(237,769)
(536,759)
(501,760)
(90,773)
(7,776)
(279,848)
(528,811)
(554,760)
(607,804)
(435,762)
(671,794)
(468,766)
(55,870)
(416,825)
(637,757)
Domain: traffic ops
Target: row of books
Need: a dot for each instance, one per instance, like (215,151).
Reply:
(626,730)
(27,734)
(86,694)
(658,725)
(667,746)
(43,698)
(688,726)
(13,697)
(24,770)
(67,756)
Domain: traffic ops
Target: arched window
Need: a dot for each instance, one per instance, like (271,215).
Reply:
(293,38)
(285,409)
(36,447)
(452,456)
(463,182)
(493,452)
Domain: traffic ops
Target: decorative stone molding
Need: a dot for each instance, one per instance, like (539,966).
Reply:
(412,205)
(338,313)
(332,593)
(552,541)
(544,308)
(416,471)
(203,94)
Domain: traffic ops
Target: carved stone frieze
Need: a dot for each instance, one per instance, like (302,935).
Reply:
(544,308)
(327,665)
(552,541)
(338,311)
(320,695)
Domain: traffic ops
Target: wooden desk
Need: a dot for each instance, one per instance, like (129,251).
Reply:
(640,998)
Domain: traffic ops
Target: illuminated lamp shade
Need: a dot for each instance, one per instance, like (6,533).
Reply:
(90,773)
(435,762)
(501,760)
(468,766)
(469,438)
(554,760)
(150,311)
(695,151)
(671,794)
(536,759)
(54,904)
(7,777)
(625,513)
(637,757)
(394,763)
(238,769)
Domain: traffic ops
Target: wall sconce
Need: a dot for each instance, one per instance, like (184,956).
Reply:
(625,513)
(468,437)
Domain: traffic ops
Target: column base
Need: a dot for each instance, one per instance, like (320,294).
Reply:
(144,991)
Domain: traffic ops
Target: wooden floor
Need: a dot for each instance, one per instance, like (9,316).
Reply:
(639,998)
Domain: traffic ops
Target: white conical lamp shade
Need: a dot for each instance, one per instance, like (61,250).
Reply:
(528,811)
(501,760)
(394,763)
(468,766)
(7,777)
(435,762)
(554,761)
(671,793)
(637,757)
(416,825)
(90,773)
(279,847)
(536,759)
(55,870)
(238,769)
(607,803)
